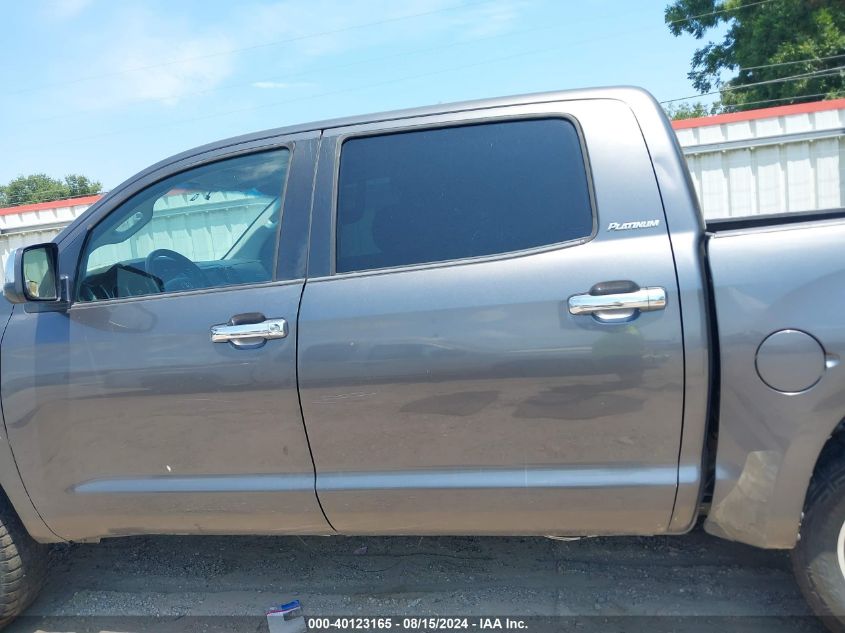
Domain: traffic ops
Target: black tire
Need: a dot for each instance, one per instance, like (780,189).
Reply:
(815,559)
(23,564)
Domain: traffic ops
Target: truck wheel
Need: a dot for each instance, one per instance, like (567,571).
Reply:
(818,559)
(23,564)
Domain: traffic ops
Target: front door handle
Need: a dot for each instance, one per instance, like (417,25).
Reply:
(643,299)
(249,332)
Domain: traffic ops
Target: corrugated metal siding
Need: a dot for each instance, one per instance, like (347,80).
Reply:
(36,226)
(53,216)
(11,241)
(785,163)
(200,229)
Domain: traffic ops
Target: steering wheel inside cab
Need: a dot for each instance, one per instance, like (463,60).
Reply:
(176,271)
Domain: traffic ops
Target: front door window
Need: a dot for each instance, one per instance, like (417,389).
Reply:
(214,225)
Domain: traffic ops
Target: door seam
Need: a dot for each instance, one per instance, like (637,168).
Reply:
(296,338)
(302,413)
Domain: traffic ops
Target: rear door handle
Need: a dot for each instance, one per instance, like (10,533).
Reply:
(645,299)
(249,332)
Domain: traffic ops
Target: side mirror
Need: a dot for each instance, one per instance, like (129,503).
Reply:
(32,274)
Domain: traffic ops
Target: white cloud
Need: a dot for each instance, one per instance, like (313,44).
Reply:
(66,9)
(155,58)
(198,65)
(144,56)
(361,24)
(490,19)
(280,85)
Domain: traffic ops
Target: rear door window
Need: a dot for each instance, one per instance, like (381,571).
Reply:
(459,192)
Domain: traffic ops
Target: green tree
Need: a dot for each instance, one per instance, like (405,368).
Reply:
(795,47)
(690,110)
(78,185)
(43,188)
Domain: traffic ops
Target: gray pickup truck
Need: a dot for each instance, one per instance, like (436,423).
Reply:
(496,317)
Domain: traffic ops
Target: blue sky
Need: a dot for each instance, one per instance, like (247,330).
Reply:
(104,88)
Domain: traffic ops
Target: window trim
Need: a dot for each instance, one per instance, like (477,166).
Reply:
(289,145)
(340,139)
(90,305)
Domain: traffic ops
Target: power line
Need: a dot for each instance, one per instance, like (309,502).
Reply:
(745,103)
(809,75)
(313,35)
(308,72)
(808,96)
(411,77)
(242,49)
(331,93)
(351,64)
(718,11)
(324,94)
(373,85)
(797,61)
(821,73)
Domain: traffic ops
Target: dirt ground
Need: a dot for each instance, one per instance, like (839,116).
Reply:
(694,582)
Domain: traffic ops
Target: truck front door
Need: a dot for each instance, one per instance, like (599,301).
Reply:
(125,412)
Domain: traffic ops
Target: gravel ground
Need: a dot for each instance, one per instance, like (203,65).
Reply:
(226,583)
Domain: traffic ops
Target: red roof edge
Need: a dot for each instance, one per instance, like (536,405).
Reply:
(762,113)
(54,204)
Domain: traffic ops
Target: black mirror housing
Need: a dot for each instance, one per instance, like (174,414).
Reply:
(32,274)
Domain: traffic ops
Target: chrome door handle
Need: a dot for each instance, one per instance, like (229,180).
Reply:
(249,332)
(645,300)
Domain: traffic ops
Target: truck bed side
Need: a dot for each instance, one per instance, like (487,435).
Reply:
(779,289)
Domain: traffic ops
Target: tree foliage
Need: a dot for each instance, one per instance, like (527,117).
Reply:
(766,41)
(690,110)
(43,188)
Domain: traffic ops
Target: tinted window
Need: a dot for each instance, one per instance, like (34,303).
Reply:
(215,225)
(450,193)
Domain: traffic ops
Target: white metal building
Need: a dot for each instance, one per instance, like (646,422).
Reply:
(35,223)
(788,158)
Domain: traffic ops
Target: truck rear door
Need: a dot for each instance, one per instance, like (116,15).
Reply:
(490,337)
